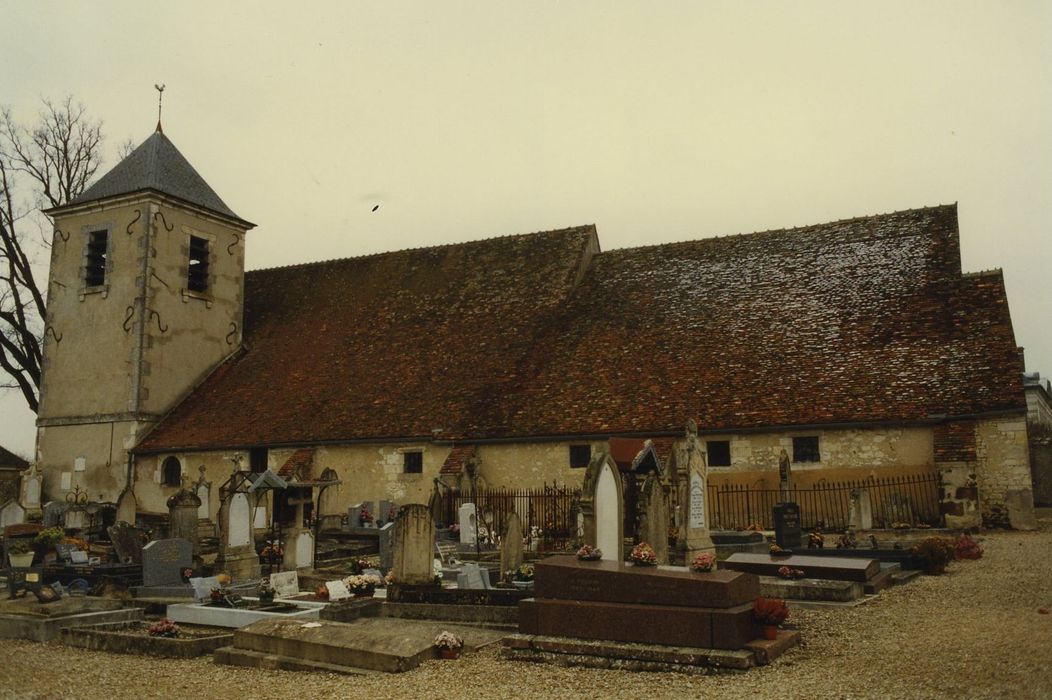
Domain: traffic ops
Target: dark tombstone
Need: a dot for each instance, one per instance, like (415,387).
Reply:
(65,551)
(127,541)
(787,532)
(55,513)
(387,546)
(164,560)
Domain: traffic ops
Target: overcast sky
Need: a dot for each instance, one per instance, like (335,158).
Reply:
(655,121)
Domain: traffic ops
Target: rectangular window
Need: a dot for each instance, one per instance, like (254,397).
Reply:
(257,459)
(197,274)
(95,261)
(414,462)
(719,453)
(580,455)
(805,449)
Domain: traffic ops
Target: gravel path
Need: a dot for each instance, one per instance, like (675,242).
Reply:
(972,633)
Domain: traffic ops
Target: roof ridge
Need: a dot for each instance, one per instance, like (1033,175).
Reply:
(367,256)
(788,229)
(992,272)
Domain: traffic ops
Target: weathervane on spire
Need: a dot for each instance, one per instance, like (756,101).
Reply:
(160,95)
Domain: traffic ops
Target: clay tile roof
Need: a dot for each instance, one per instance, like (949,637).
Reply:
(458,459)
(663,446)
(861,320)
(298,466)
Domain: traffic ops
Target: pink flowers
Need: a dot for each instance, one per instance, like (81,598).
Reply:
(643,554)
(703,563)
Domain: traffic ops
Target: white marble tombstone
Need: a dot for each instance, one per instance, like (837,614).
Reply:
(467,520)
(608,514)
(203,490)
(239,532)
(304,545)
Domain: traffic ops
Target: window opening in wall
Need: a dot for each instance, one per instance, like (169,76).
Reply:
(805,449)
(580,455)
(257,460)
(414,462)
(197,274)
(719,453)
(171,471)
(95,261)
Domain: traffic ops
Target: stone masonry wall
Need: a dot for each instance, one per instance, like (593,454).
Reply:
(1003,466)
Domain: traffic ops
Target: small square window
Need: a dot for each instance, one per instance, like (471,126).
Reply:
(805,449)
(580,455)
(719,453)
(95,260)
(414,462)
(197,273)
(257,460)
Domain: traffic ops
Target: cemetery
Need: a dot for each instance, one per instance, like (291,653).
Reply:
(654,590)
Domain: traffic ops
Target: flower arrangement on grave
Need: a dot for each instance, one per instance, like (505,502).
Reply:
(362,585)
(322,592)
(265,591)
(846,541)
(78,542)
(454,529)
(703,563)
(357,566)
(770,611)
(524,573)
(934,554)
(18,547)
(754,527)
(163,628)
(49,537)
(186,574)
(967,548)
(777,551)
(447,644)
(673,535)
(389,578)
(589,553)
(364,516)
(786,572)
(816,540)
(223,578)
(272,549)
(643,555)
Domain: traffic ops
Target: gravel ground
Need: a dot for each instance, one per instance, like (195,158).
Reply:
(972,633)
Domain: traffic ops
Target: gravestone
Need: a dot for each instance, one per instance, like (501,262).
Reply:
(12,513)
(127,541)
(693,458)
(787,531)
(237,552)
(303,550)
(602,505)
(203,491)
(473,576)
(654,529)
(467,519)
(388,511)
(861,510)
(54,513)
(32,486)
(64,551)
(387,546)
(337,590)
(285,583)
(78,556)
(182,517)
(76,518)
(164,560)
(127,507)
(511,546)
(414,541)
(203,587)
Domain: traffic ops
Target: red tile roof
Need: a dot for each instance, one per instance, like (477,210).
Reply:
(299,466)
(458,459)
(860,320)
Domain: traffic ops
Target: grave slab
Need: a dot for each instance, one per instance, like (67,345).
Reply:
(568,578)
(215,616)
(565,651)
(810,589)
(833,569)
(709,628)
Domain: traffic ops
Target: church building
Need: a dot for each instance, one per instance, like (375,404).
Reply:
(857,347)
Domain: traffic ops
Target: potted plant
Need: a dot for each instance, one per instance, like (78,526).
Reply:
(769,613)
(643,555)
(523,579)
(703,563)
(448,645)
(265,591)
(20,553)
(365,518)
(967,548)
(934,554)
(589,553)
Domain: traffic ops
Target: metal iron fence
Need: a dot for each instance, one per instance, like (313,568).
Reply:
(548,513)
(912,499)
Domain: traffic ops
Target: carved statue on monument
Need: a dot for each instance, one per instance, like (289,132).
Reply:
(784,474)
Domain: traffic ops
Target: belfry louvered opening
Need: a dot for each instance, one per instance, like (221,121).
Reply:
(197,274)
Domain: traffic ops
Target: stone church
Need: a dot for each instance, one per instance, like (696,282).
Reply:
(857,346)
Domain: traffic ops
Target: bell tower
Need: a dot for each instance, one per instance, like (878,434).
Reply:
(144,300)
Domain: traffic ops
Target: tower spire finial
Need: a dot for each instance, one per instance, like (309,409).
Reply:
(160,95)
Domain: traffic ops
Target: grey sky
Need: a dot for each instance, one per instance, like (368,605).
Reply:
(655,121)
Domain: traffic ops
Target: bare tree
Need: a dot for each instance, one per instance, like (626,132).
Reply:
(55,159)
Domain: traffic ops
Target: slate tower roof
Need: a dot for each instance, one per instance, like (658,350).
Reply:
(158,166)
